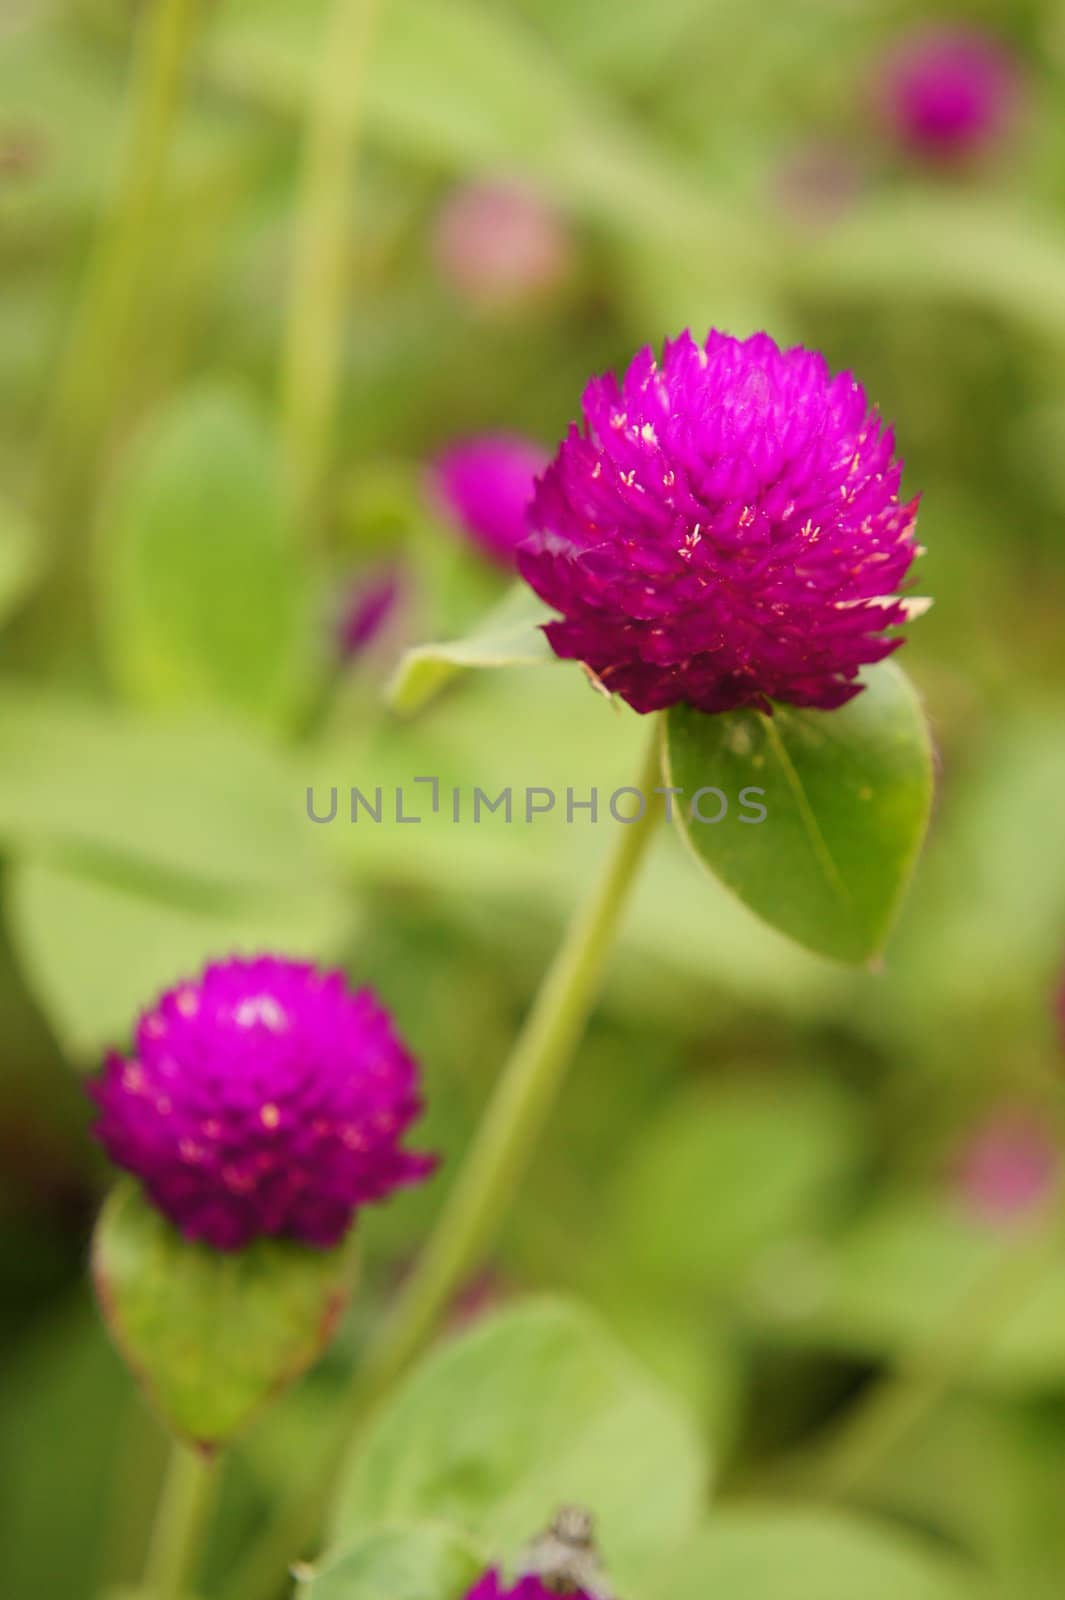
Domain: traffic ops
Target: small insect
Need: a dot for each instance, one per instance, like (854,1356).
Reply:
(565,1558)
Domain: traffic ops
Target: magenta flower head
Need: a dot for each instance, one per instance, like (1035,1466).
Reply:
(724,530)
(493,1587)
(266,1098)
(949,94)
(485,485)
(501,246)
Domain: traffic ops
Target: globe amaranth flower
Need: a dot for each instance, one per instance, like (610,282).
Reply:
(265,1098)
(725,530)
(501,246)
(485,484)
(948,94)
(493,1587)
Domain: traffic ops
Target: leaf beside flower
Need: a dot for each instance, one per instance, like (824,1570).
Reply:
(846,794)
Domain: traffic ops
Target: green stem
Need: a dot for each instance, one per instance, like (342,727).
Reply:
(107,311)
(901,1402)
(180,1525)
(477,1204)
(313,333)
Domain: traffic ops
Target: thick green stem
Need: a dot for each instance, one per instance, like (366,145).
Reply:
(313,333)
(107,312)
(180,1526)
(896,1407)
(495,1166)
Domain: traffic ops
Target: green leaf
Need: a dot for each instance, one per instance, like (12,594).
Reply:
(998,911)
(846,794)
(213,1336)
(912,245)
(510,636)
(200,801)
(95,952)
(206,602)
(696,1160)
(989,1477)
(910,1266)
(420,1562)
(20,558)
(532,1409)
(766,1554)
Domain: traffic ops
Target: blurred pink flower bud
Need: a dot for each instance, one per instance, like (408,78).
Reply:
(949,94)
(1008,1166)
(500,245)
(485,485)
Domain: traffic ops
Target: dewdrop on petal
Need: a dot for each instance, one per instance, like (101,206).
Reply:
(264,1099)
(724,529)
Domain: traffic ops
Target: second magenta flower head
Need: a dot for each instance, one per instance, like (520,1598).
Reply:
(265,1099)
(726,529)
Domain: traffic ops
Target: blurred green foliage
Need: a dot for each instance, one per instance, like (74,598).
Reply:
(754,1174)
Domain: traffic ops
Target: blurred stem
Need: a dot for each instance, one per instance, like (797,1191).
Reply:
(106,314)
(314,327)
(896,1406)
(525,1093)
(485,1187)
(180,1525)
(132,1494)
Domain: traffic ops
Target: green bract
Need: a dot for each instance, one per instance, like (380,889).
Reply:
(509,636)
(213,1336)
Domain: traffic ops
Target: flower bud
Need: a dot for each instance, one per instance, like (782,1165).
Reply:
(949,95)
(500,246)
(485,486)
